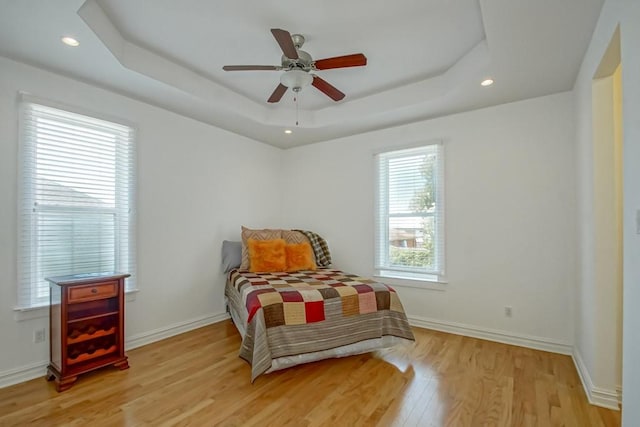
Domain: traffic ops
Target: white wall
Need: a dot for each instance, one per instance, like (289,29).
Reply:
(625,13)
(510,214)
(196,186)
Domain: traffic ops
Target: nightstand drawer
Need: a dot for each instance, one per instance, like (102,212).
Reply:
(92,292)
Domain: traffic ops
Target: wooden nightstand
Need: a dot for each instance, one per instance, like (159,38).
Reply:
(86,325)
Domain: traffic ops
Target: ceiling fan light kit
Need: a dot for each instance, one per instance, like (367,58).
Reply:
(296,79)
(298,66)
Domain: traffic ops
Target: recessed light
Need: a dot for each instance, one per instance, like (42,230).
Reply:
(288,131)
(70,41)
(487,82)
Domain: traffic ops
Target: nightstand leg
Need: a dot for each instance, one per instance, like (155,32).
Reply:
(50,375)
(62,384)
(65,383)
(122,365)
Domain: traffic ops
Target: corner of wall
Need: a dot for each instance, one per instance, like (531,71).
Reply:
(606,398)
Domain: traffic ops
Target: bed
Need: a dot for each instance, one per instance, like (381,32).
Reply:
(289,318)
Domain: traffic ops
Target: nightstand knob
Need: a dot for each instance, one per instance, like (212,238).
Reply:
(94,291)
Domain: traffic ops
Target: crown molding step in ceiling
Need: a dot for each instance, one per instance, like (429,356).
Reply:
(378,67)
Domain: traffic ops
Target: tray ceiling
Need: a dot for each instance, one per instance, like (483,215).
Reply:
(425,59)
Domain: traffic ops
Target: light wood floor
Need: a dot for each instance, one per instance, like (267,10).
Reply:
(197,379)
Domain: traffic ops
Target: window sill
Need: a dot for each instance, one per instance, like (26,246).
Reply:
(20,314)
(433,285)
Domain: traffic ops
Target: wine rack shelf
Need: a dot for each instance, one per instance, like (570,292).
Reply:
(82,357)
(96,316)
(90,336)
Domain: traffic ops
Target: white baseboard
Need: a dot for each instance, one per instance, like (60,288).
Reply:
(597,395)
(38,369)
(149,337)
(496,335)
(23,373)
(619,391)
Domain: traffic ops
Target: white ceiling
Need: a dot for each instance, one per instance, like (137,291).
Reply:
(425,57)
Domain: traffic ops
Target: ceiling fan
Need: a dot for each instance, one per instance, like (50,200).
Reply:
(298,66)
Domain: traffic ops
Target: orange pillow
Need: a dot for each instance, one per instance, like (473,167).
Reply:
(299,257)
(267,255)
(248,233)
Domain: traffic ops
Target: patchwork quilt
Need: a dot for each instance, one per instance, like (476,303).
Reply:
(298,298)
(287,314)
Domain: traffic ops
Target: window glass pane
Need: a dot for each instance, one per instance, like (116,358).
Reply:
(74,166)
(411,242)
(80,242)
(406,183)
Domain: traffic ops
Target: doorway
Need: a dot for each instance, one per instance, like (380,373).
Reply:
(608,205)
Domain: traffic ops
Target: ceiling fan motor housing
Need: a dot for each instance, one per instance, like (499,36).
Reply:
(303,62)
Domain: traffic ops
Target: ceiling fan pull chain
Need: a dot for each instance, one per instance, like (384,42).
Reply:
(295,99)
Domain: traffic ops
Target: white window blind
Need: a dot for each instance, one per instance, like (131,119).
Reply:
(76,199)
(410,213)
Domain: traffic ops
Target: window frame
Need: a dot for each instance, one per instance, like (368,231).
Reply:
(29,294)
(412,276)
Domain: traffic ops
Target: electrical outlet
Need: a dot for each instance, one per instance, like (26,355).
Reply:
(508,311)
(38,335)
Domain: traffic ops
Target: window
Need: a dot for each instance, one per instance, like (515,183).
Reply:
(409,213)
(76,198)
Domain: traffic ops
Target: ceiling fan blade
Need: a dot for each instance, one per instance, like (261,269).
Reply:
(278,93)
(355,60)
(286,44)
(251,68)
(327,89)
